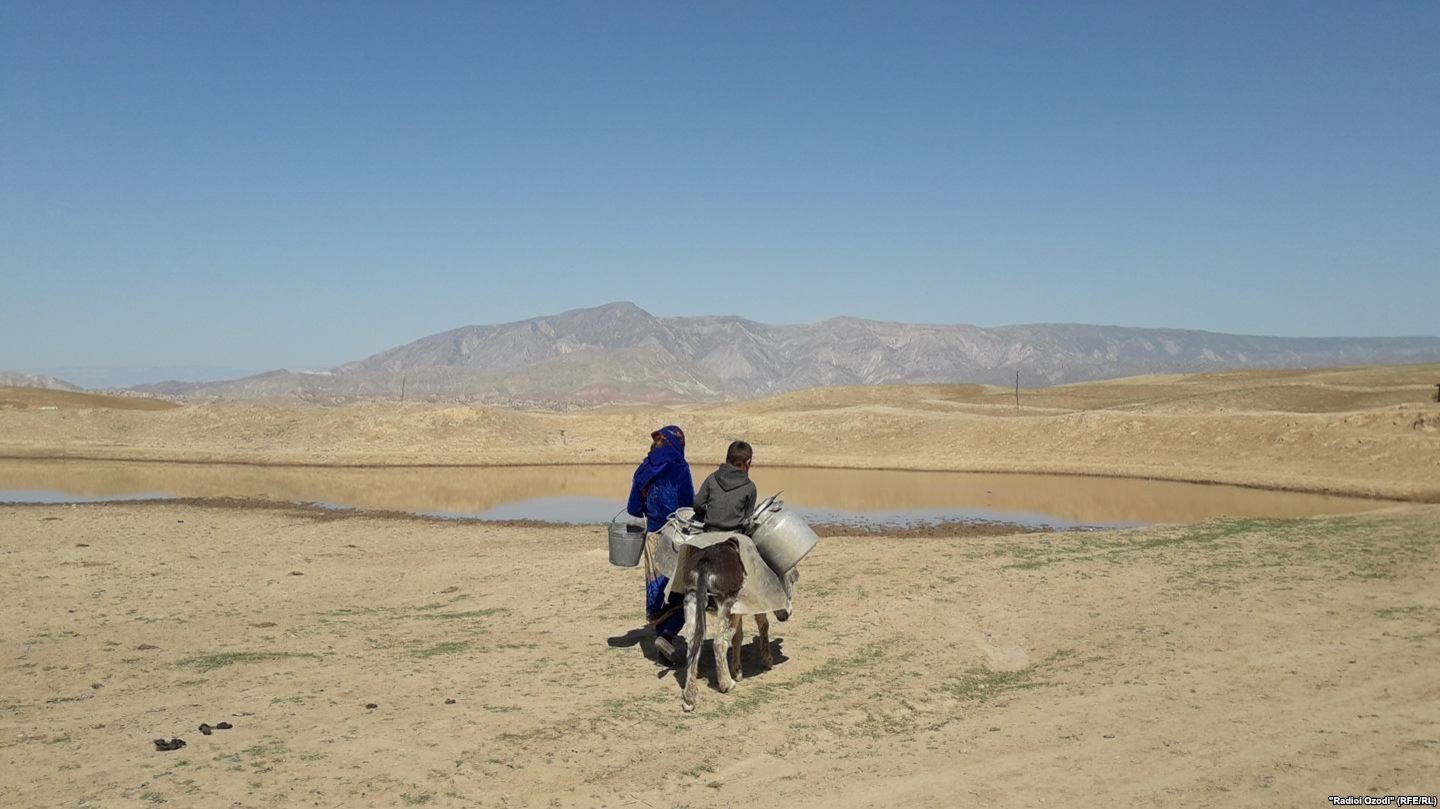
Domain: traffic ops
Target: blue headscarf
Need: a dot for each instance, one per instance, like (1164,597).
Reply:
(662,481)
(671,450)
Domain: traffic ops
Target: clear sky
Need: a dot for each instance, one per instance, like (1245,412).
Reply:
(265,184)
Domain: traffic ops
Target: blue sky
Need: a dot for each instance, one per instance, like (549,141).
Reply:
(297,184)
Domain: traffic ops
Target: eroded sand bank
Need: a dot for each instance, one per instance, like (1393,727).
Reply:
(1369,432)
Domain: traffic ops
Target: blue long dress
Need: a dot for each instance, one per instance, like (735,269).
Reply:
(661,484)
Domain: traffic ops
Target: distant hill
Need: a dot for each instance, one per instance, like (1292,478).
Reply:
(25,398)
(10,379)
(621,353)
(116,377)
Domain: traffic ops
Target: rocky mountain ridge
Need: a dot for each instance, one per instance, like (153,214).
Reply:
(15,379)
(621,353)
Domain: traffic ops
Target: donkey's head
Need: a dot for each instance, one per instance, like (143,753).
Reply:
(788,582)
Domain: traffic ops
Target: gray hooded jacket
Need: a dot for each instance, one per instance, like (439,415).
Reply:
(726,499)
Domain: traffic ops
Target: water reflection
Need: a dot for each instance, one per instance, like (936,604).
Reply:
(595,493)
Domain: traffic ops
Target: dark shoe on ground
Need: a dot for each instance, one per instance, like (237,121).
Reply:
(665,650)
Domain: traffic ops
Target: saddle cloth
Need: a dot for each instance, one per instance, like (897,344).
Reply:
(763,590)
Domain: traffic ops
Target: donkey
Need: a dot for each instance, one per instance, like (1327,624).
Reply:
(717,572)
(714,572)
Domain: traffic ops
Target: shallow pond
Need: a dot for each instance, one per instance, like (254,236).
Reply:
(593,494)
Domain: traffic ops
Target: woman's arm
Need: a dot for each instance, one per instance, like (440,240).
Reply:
(686,490)
(635,506)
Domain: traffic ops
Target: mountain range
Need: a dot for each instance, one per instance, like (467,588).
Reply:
(119,377)
(15,379)
(620,353)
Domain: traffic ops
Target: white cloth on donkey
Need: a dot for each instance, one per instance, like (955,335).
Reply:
(763,591)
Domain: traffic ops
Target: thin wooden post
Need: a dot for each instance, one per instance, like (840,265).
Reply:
(402,390)
(1017,393)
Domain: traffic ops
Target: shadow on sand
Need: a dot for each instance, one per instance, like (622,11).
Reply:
(750,661)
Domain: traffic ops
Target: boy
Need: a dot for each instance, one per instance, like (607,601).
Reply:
(727,498)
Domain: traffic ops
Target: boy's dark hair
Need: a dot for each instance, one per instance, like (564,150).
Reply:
(738,453)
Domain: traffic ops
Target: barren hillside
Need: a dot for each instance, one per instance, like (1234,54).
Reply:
(619,353)
(29,398)
(1366,431)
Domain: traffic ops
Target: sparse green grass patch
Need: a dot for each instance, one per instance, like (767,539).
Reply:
(221,659)
(1401,612)
(449,647)
(451,616)
(1032,555)
(704,767)
(744,700)
(983,684)
(1359,546)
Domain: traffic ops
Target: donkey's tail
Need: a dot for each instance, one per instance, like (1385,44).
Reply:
(702,603)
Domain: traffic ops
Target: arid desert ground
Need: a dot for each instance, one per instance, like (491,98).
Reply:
(1249,662)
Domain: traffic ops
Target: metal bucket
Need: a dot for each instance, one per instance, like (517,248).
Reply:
(627,540)
(783,538)
(678,529)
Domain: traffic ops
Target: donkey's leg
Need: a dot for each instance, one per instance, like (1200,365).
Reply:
(762,629)
(695,641)
(725,633)
(736,670)
(689,628)
(692,676)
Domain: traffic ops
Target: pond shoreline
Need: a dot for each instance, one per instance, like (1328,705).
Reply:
(323,513)
(843,501)
(1358,490)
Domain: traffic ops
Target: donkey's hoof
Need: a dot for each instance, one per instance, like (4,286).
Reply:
(687,707)
(726,688)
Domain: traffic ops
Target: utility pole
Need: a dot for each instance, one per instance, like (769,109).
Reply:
(402,389)
(1017,393)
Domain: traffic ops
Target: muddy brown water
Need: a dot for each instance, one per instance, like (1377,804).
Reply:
(587,494)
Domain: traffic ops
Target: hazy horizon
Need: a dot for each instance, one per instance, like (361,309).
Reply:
(302,185)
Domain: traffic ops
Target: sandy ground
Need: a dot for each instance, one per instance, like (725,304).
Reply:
(1237,663)
(1258,662)
(1369,431)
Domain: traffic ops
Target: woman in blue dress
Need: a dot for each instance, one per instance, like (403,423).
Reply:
(661,485)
